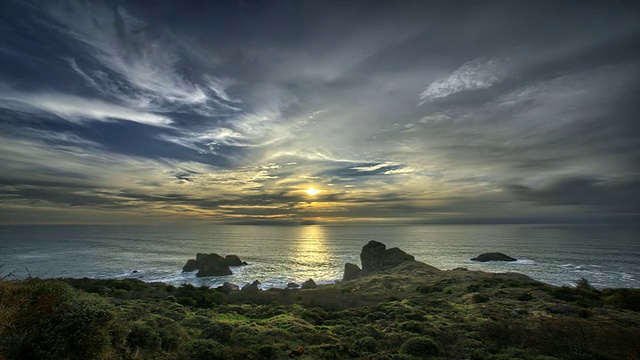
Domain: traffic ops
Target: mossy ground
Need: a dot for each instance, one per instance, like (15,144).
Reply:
(413,312)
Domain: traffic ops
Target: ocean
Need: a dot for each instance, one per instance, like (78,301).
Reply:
(556,254)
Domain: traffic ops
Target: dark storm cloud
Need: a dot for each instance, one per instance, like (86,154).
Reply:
(414,110)
(616,195)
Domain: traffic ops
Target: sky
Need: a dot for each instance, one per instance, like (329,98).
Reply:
(403,112)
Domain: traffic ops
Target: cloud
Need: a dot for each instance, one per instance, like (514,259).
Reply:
(477,74)
(75,108)
(245,114)
(619,195)
(140,65)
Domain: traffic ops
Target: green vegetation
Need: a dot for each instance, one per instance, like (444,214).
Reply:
(408,313)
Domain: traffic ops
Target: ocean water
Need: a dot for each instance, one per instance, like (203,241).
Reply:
(277,255)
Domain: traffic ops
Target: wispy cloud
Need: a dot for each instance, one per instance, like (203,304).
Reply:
(477,74)
(140,67)
(74,108)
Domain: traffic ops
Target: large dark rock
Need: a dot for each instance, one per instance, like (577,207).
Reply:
(253,287)
(351,271)
(493,257)
(208,265)
(309,284)
(212,265)
(375,257)
(191,265)
(230,287)
(234,260)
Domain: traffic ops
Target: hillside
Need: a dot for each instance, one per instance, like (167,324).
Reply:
(409,310)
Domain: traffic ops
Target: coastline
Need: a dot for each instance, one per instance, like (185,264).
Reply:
(406,310)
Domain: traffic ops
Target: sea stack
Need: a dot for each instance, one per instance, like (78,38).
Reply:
(375,257)
(493,257)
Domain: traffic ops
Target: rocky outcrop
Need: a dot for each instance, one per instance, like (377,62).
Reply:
(351,271)
(230,287)
(375,257)
(309,284)
(253,287)
(292,285)
(234,260)
(212,264)
(493,257)
(191,265)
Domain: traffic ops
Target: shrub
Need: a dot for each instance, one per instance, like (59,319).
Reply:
(421,346)
(267,352)
(49,319)
(623,298)
(366,344)
(416,327)
(201,350)
(584,284)
(524,297)
(479,298)
(142,336)
(218,331)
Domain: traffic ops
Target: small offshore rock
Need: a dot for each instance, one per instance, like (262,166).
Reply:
(351,271)
(234,260)
(253,287)
(230,287)
(309,284)
(293,285)
(493,257)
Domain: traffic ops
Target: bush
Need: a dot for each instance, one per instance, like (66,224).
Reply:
(366,344)
(48,319)
(479,298)
(420,346)
(524,297)
(218,331)
(142,336)
(623,298)
(584,284)
(201,350)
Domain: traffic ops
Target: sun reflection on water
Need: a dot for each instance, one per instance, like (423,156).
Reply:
(312,256)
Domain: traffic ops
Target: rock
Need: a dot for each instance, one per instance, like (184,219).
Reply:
(375,257)
(211,265)
(234,260)
(493,257)
(371,256)
(309,284)
(253,287)
(230,287)
(293,285)
(351,271)
(394,257)
(191,265)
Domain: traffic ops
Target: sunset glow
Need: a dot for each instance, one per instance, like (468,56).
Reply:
(408,112)
(312,191)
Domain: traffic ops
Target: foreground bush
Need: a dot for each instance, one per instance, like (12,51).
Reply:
(50,320)
(420,346)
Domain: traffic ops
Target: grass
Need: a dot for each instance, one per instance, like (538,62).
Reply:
(411,312)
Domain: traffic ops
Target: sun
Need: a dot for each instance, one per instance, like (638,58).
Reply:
(311,191)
